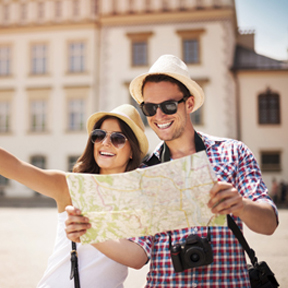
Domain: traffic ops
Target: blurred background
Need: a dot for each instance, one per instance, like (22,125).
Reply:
(62,60)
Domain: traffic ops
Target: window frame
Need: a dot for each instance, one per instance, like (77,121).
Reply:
(73,93)
(6,61)
(141,37)
(83,57)
(39,59)
(270,167)
(191,35)
(269,95)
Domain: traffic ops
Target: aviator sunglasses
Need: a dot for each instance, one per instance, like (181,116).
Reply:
(117,139)
(167,107)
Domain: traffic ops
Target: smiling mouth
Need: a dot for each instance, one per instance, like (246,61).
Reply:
(106,154)
(164,125)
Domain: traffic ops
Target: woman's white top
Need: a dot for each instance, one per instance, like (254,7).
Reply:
(95,269)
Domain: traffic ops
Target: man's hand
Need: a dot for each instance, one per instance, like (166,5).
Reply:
(225,199)
(257,215)
(76,224)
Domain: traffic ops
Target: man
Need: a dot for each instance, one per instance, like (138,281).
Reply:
(167,96)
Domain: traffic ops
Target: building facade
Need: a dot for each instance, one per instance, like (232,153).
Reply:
(61,61)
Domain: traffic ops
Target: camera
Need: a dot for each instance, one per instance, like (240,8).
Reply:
(195,252)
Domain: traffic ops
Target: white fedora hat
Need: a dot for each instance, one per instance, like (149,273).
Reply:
(172,66)
(131,117)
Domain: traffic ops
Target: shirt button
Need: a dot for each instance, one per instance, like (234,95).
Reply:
(194,285)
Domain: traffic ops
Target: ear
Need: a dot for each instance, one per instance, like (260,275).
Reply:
(190,104)
(131,155)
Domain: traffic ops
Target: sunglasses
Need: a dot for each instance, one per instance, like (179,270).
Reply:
(167,107)
(117,139)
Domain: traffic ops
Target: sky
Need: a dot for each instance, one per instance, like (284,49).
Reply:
(269,19)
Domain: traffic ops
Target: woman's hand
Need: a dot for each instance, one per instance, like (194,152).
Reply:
(76,224)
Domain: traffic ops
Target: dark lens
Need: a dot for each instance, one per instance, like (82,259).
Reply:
(118,139)
(169,107)
(195,257)
(149,109)
(98,135)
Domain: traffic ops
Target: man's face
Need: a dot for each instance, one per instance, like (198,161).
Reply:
(167,127)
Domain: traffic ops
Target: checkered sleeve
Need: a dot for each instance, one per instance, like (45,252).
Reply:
(146,242)
(249,179)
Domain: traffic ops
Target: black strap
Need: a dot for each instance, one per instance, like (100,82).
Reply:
(238,234)
(74,266)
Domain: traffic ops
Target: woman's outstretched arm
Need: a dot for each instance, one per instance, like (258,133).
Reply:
(51,183)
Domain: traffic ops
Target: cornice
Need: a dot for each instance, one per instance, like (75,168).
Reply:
(48,27)
(167,17)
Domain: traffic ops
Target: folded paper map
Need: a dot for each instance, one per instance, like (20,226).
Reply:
(146,201)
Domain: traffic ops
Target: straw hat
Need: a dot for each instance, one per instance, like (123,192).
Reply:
(174,67)
(131,117)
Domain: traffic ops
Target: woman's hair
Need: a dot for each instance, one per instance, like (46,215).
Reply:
(86,162)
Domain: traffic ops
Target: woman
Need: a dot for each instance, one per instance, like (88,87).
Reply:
(116,144)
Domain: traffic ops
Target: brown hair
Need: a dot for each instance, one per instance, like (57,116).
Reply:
(86,162)
(156,78)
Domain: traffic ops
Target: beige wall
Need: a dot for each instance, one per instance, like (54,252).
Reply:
(264,137)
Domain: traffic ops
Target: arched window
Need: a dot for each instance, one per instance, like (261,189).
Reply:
(269,107)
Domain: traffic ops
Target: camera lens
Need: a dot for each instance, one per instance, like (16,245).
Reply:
(194,257)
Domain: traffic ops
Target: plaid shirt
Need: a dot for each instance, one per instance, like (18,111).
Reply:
(233,162)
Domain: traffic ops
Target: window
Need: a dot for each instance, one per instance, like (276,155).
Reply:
(197,117)
(139,48)
(4,117)
(38,115)
(71,162)
(76,114)
(191,51)
(38,161)
(269,108)
(58,9)
(139,53)
(76,57)
(271,161)
(190,45)
(39,59)
(5,61)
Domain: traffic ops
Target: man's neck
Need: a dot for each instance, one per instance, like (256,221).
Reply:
(183,146)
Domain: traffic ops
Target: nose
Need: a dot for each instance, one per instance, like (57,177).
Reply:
(159,114)
(107,140)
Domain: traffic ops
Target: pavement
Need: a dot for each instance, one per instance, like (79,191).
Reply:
(27,239)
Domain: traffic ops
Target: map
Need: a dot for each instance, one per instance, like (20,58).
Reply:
(146,201)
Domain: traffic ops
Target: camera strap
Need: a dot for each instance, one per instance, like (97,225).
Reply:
(239,235)
(74,266)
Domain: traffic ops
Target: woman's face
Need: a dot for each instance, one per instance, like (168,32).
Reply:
(110,159)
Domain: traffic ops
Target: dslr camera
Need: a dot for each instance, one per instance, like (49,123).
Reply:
(195,252)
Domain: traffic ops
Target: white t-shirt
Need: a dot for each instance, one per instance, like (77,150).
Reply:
(95,269)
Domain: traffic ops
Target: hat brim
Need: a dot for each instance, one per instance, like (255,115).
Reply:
(195,90)
(139,133)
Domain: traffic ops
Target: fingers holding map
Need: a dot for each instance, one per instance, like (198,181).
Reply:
(146,201)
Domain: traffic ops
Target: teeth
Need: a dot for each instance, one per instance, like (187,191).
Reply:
(107,153)
(163,126)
